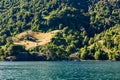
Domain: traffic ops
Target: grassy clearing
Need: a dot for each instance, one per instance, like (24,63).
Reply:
(35,38)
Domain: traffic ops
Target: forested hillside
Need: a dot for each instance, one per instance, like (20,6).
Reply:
(88,29)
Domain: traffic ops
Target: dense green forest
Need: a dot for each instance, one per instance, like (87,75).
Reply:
(89,29)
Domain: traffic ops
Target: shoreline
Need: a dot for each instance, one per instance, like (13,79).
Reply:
(65,61)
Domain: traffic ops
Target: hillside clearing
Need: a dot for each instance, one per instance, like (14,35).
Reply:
(31,39)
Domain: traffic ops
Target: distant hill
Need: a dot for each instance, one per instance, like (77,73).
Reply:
(59,28)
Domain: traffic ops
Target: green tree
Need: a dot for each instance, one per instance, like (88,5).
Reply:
(100,55)
(84,53)
(15,49)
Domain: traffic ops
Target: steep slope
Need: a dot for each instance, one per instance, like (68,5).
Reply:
(105,45)
(79,21)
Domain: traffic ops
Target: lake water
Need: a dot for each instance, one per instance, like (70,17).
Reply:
(89,70)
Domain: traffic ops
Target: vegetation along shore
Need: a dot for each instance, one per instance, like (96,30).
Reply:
(56,30)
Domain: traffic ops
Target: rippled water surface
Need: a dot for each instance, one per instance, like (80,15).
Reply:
(89,70)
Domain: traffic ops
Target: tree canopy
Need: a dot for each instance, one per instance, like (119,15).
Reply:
(92,26)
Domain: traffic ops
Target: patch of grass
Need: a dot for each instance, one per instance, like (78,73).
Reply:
(40,38)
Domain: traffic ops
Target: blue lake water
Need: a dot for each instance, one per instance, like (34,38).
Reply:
(88,70)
